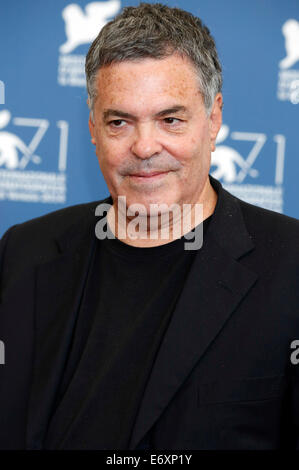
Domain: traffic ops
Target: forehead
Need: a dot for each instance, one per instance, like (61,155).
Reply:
(148,79)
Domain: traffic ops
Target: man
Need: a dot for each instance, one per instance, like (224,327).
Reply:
(136,342)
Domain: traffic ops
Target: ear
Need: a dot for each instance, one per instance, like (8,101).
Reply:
(215,119)
(91,129)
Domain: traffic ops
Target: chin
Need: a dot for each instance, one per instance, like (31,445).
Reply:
(155,198)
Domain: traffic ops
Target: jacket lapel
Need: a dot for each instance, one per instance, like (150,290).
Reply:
(59,286)
(215,286)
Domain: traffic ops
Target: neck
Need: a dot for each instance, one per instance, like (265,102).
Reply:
(157,229)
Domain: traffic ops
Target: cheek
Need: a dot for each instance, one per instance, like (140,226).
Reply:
(108,153)
(195,162)
(189,154)
(111,162)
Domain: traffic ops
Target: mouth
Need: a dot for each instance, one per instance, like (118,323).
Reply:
(148,176)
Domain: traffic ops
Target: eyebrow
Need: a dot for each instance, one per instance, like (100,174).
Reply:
(117,112)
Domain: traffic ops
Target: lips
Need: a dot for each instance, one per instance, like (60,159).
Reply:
(149,175)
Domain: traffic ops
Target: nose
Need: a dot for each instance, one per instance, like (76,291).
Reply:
(146,143)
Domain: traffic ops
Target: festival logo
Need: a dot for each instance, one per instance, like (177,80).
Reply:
(81,28)
(237,172)
(22,176)
(288,76)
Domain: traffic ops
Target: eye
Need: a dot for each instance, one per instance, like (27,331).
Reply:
(171,119)
(116,122)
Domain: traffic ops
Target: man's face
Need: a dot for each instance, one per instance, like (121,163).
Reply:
(152,135)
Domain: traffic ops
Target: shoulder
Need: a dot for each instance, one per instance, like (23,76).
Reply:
(275,236)
(54,223)
(260,221)
(35,240)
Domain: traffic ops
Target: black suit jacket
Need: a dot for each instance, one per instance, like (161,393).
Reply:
(222,379)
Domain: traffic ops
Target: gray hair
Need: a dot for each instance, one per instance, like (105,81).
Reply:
(156,31)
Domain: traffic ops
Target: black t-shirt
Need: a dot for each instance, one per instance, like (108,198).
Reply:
(126,307)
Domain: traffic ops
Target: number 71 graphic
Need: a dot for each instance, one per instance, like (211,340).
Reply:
(259,141)
(42,126)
